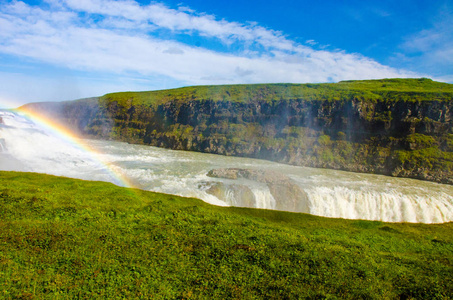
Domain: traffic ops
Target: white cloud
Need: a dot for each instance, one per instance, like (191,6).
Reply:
(71,33)
(173,50)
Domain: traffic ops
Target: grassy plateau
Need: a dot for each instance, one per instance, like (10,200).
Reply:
(420,89)
(64,238)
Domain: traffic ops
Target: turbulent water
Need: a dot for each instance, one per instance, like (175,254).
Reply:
(26,146)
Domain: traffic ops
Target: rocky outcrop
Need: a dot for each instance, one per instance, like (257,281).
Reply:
(232,194)
(287,194)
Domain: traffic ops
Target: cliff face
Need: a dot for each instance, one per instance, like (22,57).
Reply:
(394,132)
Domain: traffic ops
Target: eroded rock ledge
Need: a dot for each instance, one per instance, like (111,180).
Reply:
(287,194)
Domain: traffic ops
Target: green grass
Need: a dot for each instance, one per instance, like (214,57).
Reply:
(372,90)
(64,238)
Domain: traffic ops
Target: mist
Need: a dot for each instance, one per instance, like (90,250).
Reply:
(27,146)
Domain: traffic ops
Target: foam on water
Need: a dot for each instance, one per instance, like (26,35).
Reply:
(390,205)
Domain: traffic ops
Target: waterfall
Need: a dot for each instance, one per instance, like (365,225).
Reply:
(264,198)
(327,193)
(389,206)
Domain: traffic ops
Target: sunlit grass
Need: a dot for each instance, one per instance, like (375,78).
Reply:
(67,238)
(371,90)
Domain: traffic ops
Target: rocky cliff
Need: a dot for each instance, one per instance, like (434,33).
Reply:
(399,127)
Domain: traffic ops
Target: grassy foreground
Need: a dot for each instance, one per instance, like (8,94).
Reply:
(64,238)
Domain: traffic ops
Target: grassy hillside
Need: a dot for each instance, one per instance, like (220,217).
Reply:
(66,238)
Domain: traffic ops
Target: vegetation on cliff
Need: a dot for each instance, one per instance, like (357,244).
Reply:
(399,127)
(67,238)
(372,90)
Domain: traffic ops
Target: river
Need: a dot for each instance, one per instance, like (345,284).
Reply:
(26,145)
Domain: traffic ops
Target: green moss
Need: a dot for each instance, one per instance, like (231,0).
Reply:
(324,140)
(449,142)
(420,140)
(428,158)
(385,116)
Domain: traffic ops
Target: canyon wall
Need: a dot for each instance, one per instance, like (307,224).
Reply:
(398,127)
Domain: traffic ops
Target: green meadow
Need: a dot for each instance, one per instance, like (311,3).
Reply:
(64,238)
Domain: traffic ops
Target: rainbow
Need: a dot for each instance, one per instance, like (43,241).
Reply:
(69,136)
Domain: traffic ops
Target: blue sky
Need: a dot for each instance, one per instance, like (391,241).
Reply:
(53,50)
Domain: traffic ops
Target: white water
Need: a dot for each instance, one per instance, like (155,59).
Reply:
(28,147)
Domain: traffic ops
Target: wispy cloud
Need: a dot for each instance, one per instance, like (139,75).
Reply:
(431,49)
(124,36)
(185,21)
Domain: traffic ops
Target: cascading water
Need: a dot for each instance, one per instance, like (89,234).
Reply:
(264,198)
(326,192)
(391,205)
